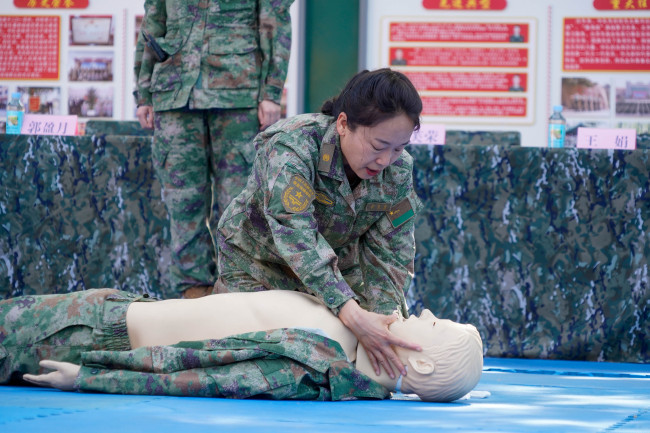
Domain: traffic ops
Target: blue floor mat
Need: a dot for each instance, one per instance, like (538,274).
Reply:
(524,396)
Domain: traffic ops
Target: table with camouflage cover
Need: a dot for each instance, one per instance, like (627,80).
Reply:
(545,250)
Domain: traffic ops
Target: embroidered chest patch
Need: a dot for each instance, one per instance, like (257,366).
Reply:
(323,198)
(400,213)
(297,196)
(377,207)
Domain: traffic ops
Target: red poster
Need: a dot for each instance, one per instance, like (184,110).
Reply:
(51,4)
(606,44)
(459,106)
(457,57)
(469,81)
(458,32)
(621,5)
(30,47)
(469,5)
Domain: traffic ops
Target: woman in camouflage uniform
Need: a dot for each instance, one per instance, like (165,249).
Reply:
(328,210)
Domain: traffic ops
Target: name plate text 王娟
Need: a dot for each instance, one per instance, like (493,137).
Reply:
(606,138)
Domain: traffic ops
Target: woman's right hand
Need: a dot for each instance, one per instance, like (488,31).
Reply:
(371,329)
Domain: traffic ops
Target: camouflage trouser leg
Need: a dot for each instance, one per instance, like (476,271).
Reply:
(60,327)
(233,152)
(249,275)
(198,155)
(233,279)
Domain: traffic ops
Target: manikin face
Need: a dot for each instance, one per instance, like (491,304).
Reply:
(427,330)
(370,149)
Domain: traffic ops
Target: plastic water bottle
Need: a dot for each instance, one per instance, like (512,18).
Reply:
(15,114)
(556,128)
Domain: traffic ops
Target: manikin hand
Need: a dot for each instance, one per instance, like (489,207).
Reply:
(268,113)
(144,113)
(62,377)
(371,329)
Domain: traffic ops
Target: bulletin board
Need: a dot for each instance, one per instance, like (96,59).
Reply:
(503,64)
(75,57)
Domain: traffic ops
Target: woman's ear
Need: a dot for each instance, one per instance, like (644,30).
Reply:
(421,363)
(342,123)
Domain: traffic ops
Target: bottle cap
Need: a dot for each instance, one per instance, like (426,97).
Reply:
(557,108)
(15,95)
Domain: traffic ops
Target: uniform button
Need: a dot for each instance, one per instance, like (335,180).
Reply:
(146,295)
(330,300)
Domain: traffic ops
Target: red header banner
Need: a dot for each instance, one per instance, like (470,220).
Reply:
(467,5)
(621,5)
(51,4)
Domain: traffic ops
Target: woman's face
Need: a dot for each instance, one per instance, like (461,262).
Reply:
(370,149)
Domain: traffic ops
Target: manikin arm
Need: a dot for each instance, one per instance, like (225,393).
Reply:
(62,377)
(277,364)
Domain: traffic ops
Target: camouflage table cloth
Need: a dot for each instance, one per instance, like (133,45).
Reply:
(546,251)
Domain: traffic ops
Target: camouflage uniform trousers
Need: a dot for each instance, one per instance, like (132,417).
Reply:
(233,279)
(60,327)
(202,159)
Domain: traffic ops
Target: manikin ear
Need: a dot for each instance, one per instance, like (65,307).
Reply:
(421,363)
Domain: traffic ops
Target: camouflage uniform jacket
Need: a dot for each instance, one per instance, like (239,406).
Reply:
(222,53)
(288,364)
(299,226)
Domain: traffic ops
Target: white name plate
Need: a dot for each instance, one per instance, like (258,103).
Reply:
(429,133)
(604,138)
(45,124)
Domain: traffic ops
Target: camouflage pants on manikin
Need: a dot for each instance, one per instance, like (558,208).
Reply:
(202,159)
(60,327)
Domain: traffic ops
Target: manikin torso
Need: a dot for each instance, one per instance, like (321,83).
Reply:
(218,316)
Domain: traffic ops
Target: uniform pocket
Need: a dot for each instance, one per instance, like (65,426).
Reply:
(236,5)
(159,153)
(166,75)
(235,60)
(175,37)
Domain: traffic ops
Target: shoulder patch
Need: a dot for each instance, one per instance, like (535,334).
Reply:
(326,154)
(323,198)
(297,196)
(400,213)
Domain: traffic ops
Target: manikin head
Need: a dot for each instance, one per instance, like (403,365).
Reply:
(450,363)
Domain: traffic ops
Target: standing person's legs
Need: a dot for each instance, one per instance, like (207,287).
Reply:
(231,138)
(180,157)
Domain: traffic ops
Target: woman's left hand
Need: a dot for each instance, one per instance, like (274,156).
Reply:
(62,377)
(371,329)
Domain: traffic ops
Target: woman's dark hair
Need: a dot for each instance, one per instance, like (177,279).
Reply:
(371,97)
